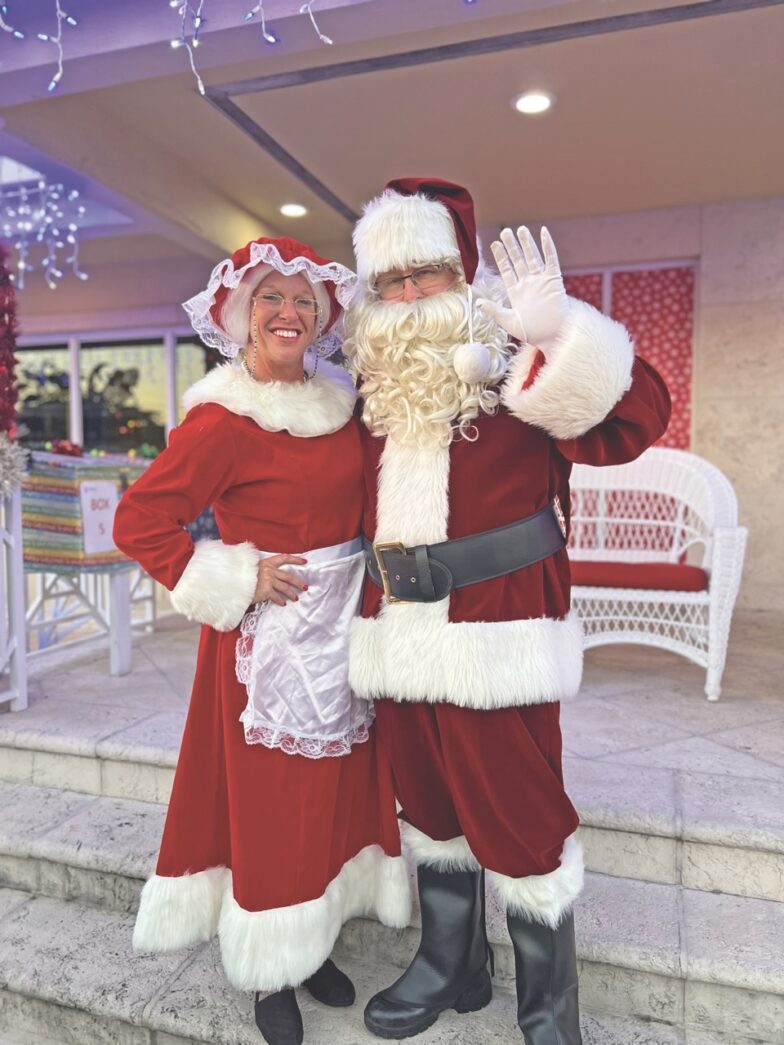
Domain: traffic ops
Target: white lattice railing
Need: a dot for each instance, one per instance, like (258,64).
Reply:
(65,609)
(13,650)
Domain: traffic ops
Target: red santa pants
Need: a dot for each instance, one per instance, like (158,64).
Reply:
(493,777)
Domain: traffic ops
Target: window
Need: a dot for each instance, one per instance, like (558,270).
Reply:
(193,361)
(123,386)
(43,405)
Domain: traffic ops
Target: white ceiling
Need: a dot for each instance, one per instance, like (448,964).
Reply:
(644,118)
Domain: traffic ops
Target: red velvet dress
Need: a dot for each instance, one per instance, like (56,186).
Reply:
(273,851)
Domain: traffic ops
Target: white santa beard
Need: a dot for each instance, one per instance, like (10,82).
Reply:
(405,352)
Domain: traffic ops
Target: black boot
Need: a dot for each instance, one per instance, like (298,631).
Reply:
(449,971)
(330,986)
(546,976)
(279,1019)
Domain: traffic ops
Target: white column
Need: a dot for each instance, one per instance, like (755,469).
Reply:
(120,623)
(75,392)
(16,601)
(170,355)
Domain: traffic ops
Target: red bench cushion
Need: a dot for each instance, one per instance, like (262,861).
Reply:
(656,576)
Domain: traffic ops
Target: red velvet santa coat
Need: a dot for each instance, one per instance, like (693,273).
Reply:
(511,640)
(270,850)
(485,655)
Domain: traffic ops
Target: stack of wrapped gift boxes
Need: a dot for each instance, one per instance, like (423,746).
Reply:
(68,508)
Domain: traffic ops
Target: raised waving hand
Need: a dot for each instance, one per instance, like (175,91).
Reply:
(534,284)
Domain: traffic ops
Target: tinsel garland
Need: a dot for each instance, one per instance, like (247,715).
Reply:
(8,391)
(13,462)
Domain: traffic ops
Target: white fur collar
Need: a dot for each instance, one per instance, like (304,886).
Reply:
(315,407)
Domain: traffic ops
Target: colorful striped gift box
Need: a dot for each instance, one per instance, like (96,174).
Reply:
(53,533)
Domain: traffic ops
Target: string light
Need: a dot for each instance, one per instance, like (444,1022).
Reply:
(192,21)
(268,36)
(191,24)
(189,10)
(16,33)
(62,18)
(308,9)
(42,215)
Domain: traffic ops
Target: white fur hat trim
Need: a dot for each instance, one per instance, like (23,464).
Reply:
(398,232)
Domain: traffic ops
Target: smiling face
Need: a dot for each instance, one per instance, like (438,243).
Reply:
(283,315)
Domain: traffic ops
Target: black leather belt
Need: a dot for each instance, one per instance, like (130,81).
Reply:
(428,572)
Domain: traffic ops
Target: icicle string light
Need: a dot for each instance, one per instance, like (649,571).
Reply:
(191,23)
(308,10)
(42,215)
(269,37)
(62,18)
(6,27)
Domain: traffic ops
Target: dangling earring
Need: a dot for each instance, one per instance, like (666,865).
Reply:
(254,333)
(322,348)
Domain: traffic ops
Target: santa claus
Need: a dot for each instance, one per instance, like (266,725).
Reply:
(480,392)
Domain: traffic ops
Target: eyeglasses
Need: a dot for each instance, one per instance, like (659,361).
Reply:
(392,284)
(304,306)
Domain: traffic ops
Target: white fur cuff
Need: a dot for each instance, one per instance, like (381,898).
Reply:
(452,855)
(587,372)
(544,898)
(218,584)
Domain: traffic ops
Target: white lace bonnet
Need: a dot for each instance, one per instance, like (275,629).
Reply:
(332,283)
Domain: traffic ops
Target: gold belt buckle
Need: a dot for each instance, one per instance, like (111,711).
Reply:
(560,518)
(378,550)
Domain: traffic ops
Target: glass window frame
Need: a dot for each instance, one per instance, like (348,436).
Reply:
(168,336)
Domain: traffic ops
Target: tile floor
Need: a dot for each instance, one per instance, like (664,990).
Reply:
(638,707)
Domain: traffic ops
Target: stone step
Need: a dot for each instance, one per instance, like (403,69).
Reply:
(67,975)
(100,849)
(19,1037)
(707,962)
(699,830)
(650,950)
(75,846)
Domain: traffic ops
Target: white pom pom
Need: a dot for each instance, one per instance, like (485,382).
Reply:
(472,362)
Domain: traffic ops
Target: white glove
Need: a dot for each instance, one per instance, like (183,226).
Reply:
(535,288)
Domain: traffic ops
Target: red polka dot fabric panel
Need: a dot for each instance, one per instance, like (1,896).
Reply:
(657,307)
(585,286)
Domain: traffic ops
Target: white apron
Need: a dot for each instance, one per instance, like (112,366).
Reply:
(293,660)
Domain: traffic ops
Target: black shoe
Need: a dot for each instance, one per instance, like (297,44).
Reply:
(546,977)
(330,986)
(279,1019)
(449,971)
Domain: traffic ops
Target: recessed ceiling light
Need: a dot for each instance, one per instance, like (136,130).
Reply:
(533,102)
(293,210)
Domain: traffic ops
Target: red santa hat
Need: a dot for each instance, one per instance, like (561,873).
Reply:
(415,221)
(332,285)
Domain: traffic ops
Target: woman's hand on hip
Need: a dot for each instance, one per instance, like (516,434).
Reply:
(277,585)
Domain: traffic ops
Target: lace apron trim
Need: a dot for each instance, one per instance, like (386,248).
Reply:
(293,661)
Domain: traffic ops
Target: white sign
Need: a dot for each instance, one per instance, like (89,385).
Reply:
(99,501)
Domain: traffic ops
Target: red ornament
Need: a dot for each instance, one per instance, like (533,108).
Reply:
(65,446)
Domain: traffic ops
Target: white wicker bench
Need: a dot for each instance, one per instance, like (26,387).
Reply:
(638,531)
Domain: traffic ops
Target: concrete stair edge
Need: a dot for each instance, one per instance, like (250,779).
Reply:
(160,1000)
